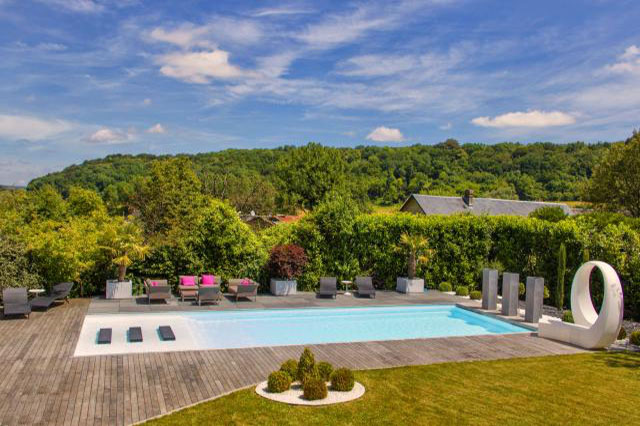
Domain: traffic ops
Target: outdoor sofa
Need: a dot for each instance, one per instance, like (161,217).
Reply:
(365,287)
(328,287)
(243,287)
(16,301)
(157,289)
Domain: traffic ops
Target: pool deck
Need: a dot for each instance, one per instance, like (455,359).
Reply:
(42,383)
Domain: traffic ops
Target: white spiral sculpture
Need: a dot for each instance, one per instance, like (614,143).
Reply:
(590,329)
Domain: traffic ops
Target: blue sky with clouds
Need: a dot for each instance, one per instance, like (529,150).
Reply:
(81,79)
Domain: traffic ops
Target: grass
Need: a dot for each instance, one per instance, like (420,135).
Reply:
(600,388)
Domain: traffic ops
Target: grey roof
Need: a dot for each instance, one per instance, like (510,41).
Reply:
(433,204)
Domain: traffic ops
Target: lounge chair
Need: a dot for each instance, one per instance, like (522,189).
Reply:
(188,286)
(157,290)
(58,292)
(209,294)
(328,287)
(240,288)
(16,301)
(365,287)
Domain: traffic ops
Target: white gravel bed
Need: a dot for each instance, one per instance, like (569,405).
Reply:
(294,395)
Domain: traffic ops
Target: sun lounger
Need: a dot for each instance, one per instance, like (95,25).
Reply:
(42,302)
(166,333)
(157,289)
(58,292)
(104,336)
(328,287)
(16,301)
(135,334)
(365,287)
(209,294)
(237,288)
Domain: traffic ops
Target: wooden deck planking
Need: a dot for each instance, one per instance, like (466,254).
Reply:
(42,383)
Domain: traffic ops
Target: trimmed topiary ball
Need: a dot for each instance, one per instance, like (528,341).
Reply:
(314,389)
(306,363)
(634,338)
(462,290)
(445,286)
(622,334)
(567,316)
(475,295)
(278,382)
(324,370)
(290,367)
(342,380)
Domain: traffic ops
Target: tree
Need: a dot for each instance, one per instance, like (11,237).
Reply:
(417,250)
(615,184)
(16,269)
(123,241)
(308,173)
(84,202)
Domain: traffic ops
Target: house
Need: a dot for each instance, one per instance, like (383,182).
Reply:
(259,222)
(433,204)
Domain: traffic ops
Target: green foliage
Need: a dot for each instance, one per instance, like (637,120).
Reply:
(278,381)
(444,287)
(622,334)
(305,364)
(475,295)
(562,270)
(550,214)
(314,389)
(84,202)
(522,289)
(286,261)
(615,183)
(122,240)
(16,269)
(312,374)
(290,367)
(462,290)
(634,338)
(325,369)
(342,380)
(567,316)
(416,248)
(546,293)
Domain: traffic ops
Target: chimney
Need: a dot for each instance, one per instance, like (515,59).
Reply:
(468,197)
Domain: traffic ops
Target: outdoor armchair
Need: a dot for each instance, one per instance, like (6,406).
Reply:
(16,301)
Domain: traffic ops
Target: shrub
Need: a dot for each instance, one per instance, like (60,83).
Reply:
(567,316)
(634,338)
(312,374)
(314,389)
(287,261)
(306,363)
(462,290)
(445,286)
(342,380)
(475,295)
(279,381)
(546,292)
(290,367)
(325,369)
(521,289)
(622,334)
(550,214)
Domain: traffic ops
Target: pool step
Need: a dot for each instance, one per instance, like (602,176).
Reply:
(166,333)
(104,336)
(135,334)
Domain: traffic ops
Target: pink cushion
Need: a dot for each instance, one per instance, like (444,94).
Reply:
(188,280)
(154,283)
(208,280)
(246,281)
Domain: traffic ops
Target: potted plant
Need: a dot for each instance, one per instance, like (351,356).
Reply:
(417,251)
(124,243)
(286,263)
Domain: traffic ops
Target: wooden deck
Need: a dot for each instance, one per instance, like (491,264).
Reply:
(41,383)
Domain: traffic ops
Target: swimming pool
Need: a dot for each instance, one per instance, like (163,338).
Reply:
(281,327)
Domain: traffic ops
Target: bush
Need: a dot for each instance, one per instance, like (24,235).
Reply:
(306,364)
(462,290)
(325,369)
(278,381)
(546,293)
(290,367)
(287,261)
(475,295)
(622,334)
(634,338)
(567,316)
(521,290)
(312,374)
(445,286)
(342,380)
(314,389)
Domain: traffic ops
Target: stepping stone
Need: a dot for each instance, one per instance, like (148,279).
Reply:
(166,332)
(135,334)
(104,336)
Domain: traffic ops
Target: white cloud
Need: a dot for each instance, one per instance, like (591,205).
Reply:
(533,118)
(199,67)
(376,65)
(220,29)
(16,127)
(157,129)
(106,136)
(629,61)
(185,36)
(278,11)
(385,134)
(85,6)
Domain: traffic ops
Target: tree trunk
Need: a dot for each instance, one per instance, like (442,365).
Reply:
(411,267)
(122,271)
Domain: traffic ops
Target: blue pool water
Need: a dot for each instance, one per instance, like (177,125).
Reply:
(241,329)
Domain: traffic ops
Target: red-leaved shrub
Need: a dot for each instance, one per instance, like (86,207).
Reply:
(287,261)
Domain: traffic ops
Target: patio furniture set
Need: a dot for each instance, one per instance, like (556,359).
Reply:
(16,300)
(203,289)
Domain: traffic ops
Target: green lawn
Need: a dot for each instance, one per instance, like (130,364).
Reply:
(598,388)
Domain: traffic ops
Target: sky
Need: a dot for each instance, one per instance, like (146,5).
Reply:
(81,79)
